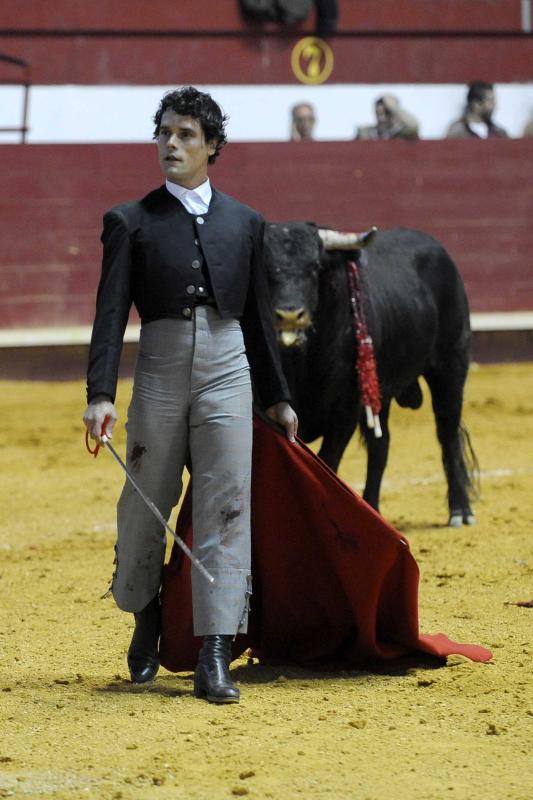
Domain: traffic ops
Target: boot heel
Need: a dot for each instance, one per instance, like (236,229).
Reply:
(212,679)
(199,690)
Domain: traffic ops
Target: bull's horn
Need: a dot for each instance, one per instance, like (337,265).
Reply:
(335,240)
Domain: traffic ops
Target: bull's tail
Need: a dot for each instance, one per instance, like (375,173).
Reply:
(473,479)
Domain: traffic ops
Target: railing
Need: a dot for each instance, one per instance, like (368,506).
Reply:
(26,83)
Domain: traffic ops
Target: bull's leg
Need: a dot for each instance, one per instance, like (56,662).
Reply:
(377,454)
(336,439)
(446,387)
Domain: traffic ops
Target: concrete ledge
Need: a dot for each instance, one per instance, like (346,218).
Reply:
(502,346)
(58,361)
(81,334)
(502,321)
(55,362)
(46,337)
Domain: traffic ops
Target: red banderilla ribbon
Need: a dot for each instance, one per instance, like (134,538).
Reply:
(366,362)
(153,508)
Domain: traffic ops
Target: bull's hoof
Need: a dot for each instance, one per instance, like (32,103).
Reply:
(459,517)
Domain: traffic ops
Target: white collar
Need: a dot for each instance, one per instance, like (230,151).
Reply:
(203,191)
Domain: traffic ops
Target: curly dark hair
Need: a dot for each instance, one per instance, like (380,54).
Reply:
(477,91)
(190,102)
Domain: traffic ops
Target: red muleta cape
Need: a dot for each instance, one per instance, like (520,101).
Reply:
(333,582)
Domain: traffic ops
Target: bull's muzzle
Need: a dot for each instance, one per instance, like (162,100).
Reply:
(291,325)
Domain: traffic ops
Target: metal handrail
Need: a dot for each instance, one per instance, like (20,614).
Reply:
(26,83)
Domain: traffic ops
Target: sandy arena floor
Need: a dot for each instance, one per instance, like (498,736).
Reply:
(73,727)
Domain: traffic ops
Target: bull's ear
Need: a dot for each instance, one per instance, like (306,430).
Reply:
(320,244)
(329,260)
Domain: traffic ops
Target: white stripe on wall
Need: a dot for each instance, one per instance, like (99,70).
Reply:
(79,114)
(81,334)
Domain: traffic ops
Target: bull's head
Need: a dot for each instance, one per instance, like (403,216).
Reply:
(294,258)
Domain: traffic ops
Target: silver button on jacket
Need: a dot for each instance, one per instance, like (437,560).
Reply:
(149,248)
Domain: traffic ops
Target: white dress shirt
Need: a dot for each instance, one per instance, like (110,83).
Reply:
(196,200)
(480,128)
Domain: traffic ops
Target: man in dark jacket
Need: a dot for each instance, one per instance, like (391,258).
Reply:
(476,122)
(190,258)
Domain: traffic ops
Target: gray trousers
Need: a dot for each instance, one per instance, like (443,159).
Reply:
(192,398)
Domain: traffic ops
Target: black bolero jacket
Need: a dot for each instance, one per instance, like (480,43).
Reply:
(147,261)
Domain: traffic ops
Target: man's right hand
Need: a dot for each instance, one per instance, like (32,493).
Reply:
(98,409)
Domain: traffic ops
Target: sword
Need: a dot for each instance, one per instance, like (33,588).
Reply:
(151,505)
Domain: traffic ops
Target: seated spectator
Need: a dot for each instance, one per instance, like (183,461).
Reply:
(327,17)
(392,121)
(303,122)
(287,12)
(476,121)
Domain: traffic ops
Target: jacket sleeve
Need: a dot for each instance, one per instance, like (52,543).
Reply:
(457,130)
(259,334)
(113,303)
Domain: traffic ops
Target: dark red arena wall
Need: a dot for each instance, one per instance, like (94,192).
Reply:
(210,59)
(224,15)
(475,197)
(161,43)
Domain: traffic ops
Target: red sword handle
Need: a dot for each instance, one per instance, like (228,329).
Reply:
(103,433)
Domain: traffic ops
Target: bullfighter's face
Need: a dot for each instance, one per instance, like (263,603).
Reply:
(182,149)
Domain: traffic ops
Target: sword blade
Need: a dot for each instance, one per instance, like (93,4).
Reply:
(157,514)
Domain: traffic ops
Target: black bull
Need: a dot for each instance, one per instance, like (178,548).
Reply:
(417,314)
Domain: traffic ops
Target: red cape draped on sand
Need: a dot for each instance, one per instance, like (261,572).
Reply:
(333,582)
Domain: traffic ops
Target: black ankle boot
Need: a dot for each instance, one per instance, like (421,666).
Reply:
(211,678)
(143,657)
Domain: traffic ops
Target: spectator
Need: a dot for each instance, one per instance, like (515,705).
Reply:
(327,17)
(303,122)
(392,121)
(528,130)
(291,12)
(476,121)
(286,12)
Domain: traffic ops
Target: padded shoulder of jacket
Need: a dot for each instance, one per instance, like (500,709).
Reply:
(132,212)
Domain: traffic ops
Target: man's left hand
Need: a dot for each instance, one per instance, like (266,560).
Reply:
(284,415)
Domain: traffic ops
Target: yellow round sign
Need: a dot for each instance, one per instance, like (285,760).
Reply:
(312,60)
